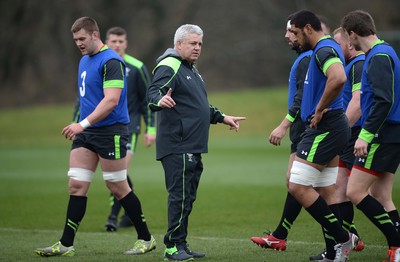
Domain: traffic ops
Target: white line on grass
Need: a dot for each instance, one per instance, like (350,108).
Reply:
(306,243)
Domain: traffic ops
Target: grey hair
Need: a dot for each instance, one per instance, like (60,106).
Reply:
(185,30)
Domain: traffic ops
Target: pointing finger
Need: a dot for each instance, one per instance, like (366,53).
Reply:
(169,92)
(239,118)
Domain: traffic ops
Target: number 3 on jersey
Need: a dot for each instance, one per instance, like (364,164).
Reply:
(82,88)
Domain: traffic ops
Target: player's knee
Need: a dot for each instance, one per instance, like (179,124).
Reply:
(382,194)
(380,198)
(328,193)
(302,174)
(353,193)
(115,176)
(77,188)
(117,184)
(287,183)
(350,194)
(287,178)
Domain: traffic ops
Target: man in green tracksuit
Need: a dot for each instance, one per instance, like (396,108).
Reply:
(183,119)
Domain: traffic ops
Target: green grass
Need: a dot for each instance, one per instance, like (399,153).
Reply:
(241,193)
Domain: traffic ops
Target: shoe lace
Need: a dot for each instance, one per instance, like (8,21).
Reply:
(57,247)
(139,245)
(57,244)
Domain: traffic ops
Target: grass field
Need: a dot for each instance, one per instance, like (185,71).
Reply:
(241,193)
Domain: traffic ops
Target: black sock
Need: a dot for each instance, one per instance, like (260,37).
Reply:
(133,209)
(347,215)
(335,208)
(377,214)
(329,244)
(114,202)
(75,212)
(291,210)
(329,239)
(131,186)
(394,216)
(320,211)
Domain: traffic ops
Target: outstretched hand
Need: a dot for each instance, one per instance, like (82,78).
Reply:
(167,101)
(233,121)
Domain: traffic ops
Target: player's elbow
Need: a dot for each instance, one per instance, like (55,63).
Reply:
(113,102)
(339,82)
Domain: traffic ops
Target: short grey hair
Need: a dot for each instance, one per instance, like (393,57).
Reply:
(185,30)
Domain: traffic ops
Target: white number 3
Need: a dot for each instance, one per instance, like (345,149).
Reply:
(82,88)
